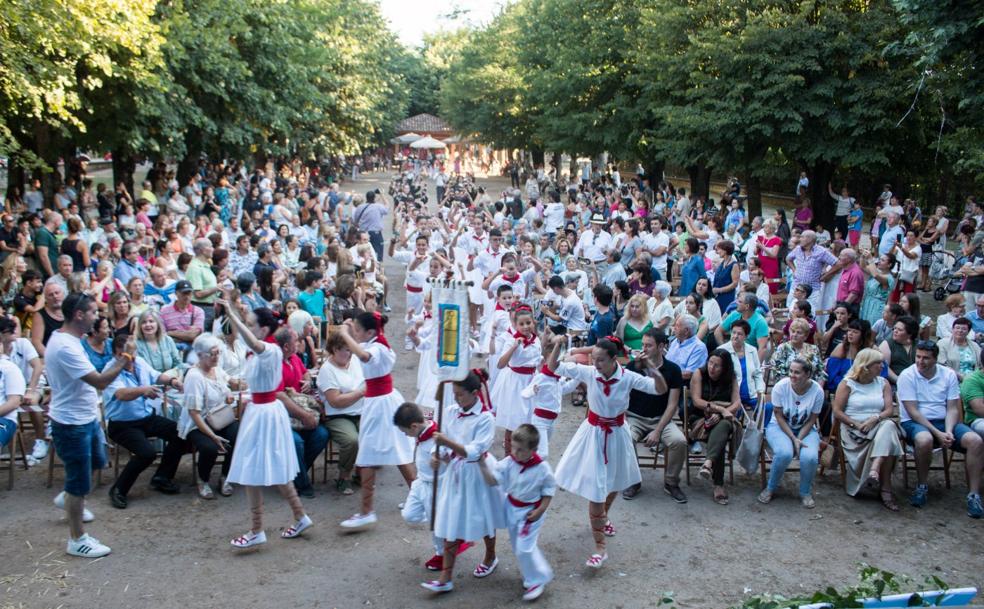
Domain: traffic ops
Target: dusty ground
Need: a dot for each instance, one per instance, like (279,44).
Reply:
(173,551)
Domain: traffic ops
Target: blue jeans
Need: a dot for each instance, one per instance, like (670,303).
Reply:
(82,448)
(7,430)
(782,455)
(309,443)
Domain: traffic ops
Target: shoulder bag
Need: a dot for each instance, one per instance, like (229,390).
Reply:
(748,451)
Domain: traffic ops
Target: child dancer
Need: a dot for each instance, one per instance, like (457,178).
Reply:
(547,391)
(380,443)
(519,357)
(529,486)
(467,507)
(500,327)
(409,418)
(267,456)
(600,460)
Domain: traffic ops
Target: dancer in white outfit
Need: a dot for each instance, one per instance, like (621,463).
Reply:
(600,460)
(517,363)
(529,486)
(467,507)
(380,442)
(264,454)
(547,391)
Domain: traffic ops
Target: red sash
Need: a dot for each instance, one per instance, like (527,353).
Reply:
(264,397)
(607,425)
(379,386)
(522,504)
(414,289)
(544,414)
(523,369)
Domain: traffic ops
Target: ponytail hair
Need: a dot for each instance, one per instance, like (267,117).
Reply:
(612,345)
(473,382)
(266,318)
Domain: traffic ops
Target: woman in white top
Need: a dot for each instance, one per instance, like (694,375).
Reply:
(342,386)
(870,439)
(380,441)
(792,432)
(748,367)
(266,454)
(600,460)
(206,392)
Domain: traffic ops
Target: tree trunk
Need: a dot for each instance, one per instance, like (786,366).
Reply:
(16,179)
(187,166)
(655,169)
(821,174)
(538,156)
(555,161)
(700,180)
(124,166)
(753,185)
(46,149)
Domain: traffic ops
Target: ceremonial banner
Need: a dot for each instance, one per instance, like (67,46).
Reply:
(449,300)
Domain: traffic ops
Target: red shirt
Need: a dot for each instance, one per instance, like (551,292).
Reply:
(293,373)
(851,282)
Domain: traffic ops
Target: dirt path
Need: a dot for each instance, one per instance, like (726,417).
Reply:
(173,551)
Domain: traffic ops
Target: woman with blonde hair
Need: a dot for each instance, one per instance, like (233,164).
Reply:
(155,346)
(635,323)
(870,438)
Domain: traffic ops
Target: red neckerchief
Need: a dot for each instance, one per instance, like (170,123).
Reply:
(428,314)
(607,383)
(499,307)
(427,434)
(477,238)
(470,413)
(512,279)
(545,370)
(523,339)
(533,461)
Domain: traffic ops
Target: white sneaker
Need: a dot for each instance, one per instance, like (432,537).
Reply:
(59,502)
(40,450)
(358,521)
(249,539)
(87,547)
(297,529)
(533,592)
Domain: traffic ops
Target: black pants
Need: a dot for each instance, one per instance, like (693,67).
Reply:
(135,437)
(840,223)
(376,239)
(208,450)
(440,193)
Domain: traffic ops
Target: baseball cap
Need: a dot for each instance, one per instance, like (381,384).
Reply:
(183,286)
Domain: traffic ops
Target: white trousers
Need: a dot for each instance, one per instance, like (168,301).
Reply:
(417,509)
(532,563)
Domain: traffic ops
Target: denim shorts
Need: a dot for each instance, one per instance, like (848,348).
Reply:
(911,428)
(82,448)
(7,430)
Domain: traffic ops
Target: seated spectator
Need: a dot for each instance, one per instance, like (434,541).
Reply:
(98,343)
(801,309)
(160,290)
(135,289)
(931,415)
(843,313)
(972,396)
(342,387)
(119,315)
(864,406)
(246,283)
(748,368)
(634,323)
(49,318)
(12,389)
(956,307)
(130,265)
(714,391)
(650,417)
(899,351)
(183,320)
(206,389)
(302,323)
(156,347)
(660,308)
(792,431)
(797,348)
(131,401)
(693,305)
(958,351)
(28,301)
(685,349)
(748,311)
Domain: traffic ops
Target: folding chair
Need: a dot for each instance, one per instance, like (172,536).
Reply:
(767,460)
(16,441)
(330,457)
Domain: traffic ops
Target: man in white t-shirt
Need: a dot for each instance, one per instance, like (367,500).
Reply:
(657,243)
(553,215)
(74,412)
(563,306)
(12,388)
(931,415)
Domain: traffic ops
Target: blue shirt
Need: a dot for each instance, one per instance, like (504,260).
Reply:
(977,324)
(142,376)
(99,360)
(602,325)
(159,296)
(692,270)
(690,354)
(888,239)
(125,271)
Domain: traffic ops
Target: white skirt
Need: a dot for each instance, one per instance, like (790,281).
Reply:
(380,441)
(582,469)
(264,454)
(467,507)
(511,408)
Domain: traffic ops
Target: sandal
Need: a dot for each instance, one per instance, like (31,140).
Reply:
(343,486)
(596,560)
(888,500)
(298,528)
(609,529)
(873,479)
(484,570)
(705,471)
(721,498)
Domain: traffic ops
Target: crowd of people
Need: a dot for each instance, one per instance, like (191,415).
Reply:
(241,315)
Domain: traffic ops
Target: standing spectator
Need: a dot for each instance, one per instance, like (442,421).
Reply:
(808,262)
(203,280)
(845,203)
(877,286)
(850,287)
(74,412)
(369,218)
(45,243)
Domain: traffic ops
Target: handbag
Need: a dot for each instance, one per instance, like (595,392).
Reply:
(221,417)
(308,403)
(748,451)
(699,431)
(907,276)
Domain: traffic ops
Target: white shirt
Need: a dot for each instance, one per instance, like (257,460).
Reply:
(796,408)
(570,309)
(527,486)
(22,353)
(73,401)
(617,401)
(594,247)
(652,242)
(930,394)
(658,311)
(344,380)
(553,217)
(11,383)
(202,394)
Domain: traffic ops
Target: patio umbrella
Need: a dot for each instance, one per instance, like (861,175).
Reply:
(428,142)
(407,138)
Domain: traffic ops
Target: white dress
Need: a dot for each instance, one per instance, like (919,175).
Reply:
(597,462)
(264,454)
(380,441)
(511,408)
(467,507)
(427,373)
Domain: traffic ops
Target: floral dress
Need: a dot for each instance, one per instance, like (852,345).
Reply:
(785,354)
